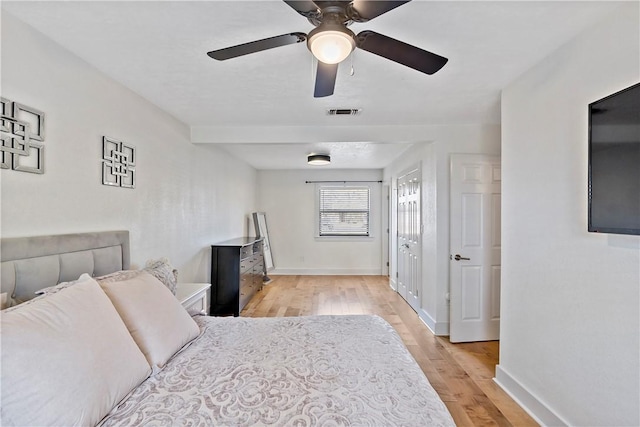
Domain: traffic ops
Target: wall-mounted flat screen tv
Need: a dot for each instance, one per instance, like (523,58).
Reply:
(614,163)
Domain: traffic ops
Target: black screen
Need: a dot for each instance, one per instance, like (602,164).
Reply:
(614,163)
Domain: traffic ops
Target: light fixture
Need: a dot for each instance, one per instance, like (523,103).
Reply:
(318,159)
(331,42)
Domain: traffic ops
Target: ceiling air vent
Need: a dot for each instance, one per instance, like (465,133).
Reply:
(344,111)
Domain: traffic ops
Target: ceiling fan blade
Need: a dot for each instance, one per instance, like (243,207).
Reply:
(325,79)
(257,46)
(306,8)
(400,52)
(365,10)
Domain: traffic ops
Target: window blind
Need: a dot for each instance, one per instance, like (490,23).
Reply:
(344,211)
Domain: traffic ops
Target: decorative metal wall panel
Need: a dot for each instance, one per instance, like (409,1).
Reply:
(22,136)
(118,163)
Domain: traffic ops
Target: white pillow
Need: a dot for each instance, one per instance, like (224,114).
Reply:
(155,318)
(60,286)
(67,359)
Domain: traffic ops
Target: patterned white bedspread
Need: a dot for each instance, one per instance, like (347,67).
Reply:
(291,371)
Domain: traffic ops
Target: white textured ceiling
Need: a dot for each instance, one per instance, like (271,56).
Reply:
(158,49)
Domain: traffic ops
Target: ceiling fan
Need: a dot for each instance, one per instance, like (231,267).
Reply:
(332,42)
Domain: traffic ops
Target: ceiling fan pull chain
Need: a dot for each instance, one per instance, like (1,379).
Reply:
(352,71)
(313,70)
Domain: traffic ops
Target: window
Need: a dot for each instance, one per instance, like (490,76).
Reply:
(344,211)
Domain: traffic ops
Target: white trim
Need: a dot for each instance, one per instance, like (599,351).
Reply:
(437,328)
(539,411)
(428,320)
(393,284)
(326,272)
(442,329)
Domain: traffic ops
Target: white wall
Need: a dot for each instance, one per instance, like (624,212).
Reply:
(570,348)
(434,158)
(186,196)
(291,211)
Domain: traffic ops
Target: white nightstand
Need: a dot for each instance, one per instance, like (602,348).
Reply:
(194,297)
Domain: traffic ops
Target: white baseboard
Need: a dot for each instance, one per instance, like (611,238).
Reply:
(540,412)
(438,328)
(442,329)
(326,272)
(427,320)
(393,284)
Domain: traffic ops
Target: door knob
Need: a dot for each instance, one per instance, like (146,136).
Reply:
(458,258)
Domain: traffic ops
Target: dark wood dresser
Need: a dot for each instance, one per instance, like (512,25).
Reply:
(237,267)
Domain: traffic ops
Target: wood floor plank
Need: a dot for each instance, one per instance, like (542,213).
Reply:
(462,374)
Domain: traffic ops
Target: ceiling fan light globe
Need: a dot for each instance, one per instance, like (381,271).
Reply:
(331,46)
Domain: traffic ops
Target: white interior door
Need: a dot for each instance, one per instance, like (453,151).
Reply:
(409,237)
(475,248)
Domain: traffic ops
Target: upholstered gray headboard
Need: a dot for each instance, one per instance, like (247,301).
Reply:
(31,263)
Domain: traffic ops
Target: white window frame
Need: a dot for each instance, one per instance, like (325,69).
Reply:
(348,237)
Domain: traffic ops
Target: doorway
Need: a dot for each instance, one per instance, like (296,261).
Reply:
(409,241)
(474,266)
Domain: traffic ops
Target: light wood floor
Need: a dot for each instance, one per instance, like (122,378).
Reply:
(461,373)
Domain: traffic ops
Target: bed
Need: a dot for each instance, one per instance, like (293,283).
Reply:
(112,346)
